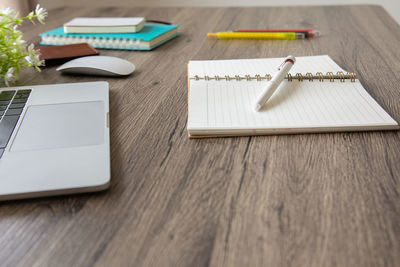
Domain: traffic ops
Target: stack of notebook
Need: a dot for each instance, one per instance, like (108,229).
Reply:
(108,35)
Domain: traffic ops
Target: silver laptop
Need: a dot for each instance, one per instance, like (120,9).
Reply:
(54,139)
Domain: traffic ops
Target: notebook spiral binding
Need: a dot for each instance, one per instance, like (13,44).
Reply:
(340,75)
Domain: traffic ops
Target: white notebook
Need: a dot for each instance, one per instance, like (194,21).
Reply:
(321,98)
(104,25)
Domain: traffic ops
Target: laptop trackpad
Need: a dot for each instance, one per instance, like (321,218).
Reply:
(61,126)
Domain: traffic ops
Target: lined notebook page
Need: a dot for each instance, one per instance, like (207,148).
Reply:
(227,106)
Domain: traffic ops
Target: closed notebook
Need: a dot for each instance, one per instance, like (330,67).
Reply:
(104,25)
(62,53)
(151,36)
(317,96)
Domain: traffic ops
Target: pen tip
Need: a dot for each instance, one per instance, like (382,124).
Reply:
(258,107)
(212,34)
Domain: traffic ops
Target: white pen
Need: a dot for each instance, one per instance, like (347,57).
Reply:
(283,70)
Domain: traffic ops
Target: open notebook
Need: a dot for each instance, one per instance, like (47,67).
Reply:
(222,94)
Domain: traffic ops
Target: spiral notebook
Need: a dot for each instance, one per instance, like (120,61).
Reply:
(150,37)
(316,96)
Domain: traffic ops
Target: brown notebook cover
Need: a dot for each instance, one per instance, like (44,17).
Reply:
(58,54)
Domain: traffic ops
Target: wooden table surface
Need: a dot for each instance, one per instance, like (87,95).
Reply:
(289,200)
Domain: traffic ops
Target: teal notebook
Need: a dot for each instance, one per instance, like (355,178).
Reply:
(151,36)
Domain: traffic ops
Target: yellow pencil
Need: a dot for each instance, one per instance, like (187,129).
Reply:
(257,35)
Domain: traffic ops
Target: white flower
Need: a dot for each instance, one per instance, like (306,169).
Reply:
(10,76)
(16,31)
(21,43)
(33,56)
(14,53)
(31,49)
(9,12)
(41,13)
(29,59)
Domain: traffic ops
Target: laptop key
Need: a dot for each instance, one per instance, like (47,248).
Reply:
(3,108)
(4,102)
(19,105)
(6,95)
(7,125)
(16,101)
(16,111)
(18,96)
(25,91)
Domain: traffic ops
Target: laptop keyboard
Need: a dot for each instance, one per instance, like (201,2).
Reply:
(12,103)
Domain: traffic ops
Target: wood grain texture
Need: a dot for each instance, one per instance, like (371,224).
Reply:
(290,200)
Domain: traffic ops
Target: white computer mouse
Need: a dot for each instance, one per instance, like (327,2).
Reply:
(98,65)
